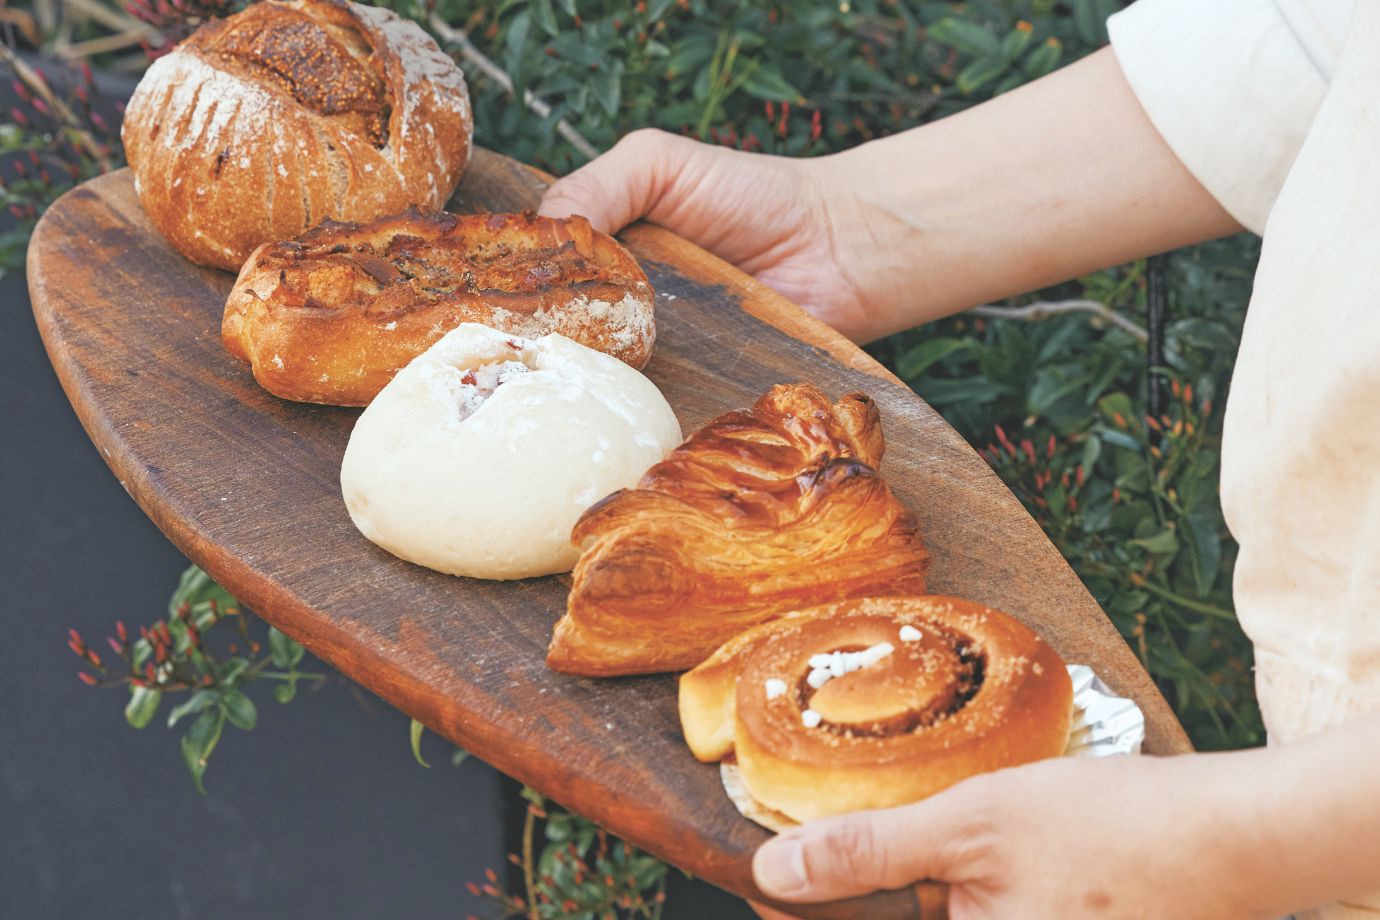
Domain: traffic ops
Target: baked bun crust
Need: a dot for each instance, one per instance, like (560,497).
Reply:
(479,456)
(974,691)
(332,316)
(258,126)
(758,513)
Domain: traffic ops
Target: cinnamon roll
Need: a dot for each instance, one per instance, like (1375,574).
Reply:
(876,702)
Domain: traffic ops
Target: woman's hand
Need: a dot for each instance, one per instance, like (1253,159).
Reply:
(1045,183)
(775,218)
(1060,838)
(1257,833)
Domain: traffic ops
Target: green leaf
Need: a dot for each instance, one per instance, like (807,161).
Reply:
(967,37)
(191,583)
(657,8)
(515,45)
(1114,404)
(1089,21)
(142,705)
(1050,387)
(977,389)
(285,692)
(416,731)
(1200,532)
(545,17)
(766,82)
(198,743)
(558,829)
(284,651)
(458,756)
(196,588)
(1121,439)
(919,359)
(194,704)
(1162,543)
(232,669)
(1092,449)
(606,87)
(1043,59)
(1015,43)
(239,709)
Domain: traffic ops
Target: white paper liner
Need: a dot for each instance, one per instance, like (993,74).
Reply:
(1104,725)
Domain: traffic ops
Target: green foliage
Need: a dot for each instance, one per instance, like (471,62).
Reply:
(786,76)
(1058,409)
(579,873)
(415,732)
(174,656)
(40,158)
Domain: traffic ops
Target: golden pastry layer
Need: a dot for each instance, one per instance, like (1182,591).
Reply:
(332,316)
(759,512)
(260,125)
(917,693)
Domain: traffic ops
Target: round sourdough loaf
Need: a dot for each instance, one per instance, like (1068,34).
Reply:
(479,455)
(259,126)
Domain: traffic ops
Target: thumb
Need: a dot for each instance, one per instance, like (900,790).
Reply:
(626,183)
(866,851)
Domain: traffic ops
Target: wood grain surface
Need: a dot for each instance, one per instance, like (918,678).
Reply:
(247,486)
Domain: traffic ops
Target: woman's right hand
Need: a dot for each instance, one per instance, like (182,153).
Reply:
(782,220)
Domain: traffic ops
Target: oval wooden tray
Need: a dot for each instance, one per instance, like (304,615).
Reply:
(246,485)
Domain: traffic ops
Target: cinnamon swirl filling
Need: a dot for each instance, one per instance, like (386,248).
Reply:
(891,699)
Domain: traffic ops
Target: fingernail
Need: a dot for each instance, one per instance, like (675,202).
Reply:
(779,867)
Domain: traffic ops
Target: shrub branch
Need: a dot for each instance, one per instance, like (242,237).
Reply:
(40,88)
(466,49)
(1044,309)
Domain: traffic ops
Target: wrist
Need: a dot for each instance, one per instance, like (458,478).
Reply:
(878,239)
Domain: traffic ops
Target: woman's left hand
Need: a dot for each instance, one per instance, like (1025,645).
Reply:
(1070,837)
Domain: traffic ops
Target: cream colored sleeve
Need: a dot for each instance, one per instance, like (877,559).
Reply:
(1232,85)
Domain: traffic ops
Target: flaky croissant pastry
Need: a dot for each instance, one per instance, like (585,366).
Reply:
(876,702)
(759,512)
(332,316)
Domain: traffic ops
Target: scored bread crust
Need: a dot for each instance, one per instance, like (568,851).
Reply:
(758,513)
(332,316)
(259,126)
(977,692)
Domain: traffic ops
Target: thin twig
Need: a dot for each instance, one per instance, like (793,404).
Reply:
(528,868)
(30,78)
(110,16)
(466,49)
(103,44)
(23,21)
(1044,309)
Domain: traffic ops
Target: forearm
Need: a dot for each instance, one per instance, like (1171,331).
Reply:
(1294,826)
(1045,183)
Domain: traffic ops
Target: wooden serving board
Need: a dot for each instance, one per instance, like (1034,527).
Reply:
(247,486)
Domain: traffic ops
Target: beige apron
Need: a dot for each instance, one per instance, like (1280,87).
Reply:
(1301,455)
